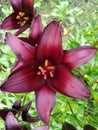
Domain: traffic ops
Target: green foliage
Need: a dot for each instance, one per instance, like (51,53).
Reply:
(80,18)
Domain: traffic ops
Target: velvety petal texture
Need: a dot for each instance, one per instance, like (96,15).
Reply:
(23,51)
(21,29)
(66,83)
(36,29)
(42,128)
(78,56)
(10,22)
(28,6)
(45,102)
(17,5)
(22,80)
(50,44)
(11,122)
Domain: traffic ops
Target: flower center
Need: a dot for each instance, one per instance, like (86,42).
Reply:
(46,70)
(22,18)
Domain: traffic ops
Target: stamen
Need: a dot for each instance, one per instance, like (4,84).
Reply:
(51,67)
(38,73)
(46,63)
(26,18)
(21,14)
(45,76)
(46,70)
(41,68)
(51,74)
(18,17)
(22,23)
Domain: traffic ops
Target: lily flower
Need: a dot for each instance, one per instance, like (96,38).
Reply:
(35,31)
(12,124)
(16,108)
(46,69)
(21,17)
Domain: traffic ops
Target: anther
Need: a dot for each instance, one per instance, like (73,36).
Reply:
(21,14)
(38,73)
(26,18)
(40,68)
(46,63)
(51,74)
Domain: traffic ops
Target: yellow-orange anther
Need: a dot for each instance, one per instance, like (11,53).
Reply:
(21,14)
(51,74)
(46,63)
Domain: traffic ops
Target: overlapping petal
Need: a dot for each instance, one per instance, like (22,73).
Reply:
(11,122)
(50,44)
(3,113)
(21,29)
(45,101)
(17,65)
(66,83)
(78,56)
(23,51)
(23,79)
(10,22)
(36,29)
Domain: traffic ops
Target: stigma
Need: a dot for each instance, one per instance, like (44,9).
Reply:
(46,70)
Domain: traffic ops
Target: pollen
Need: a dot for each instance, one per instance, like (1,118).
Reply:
(46,70)
(22,19)
(51,74)
(21,14)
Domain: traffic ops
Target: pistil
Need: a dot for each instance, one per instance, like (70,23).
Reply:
(46,70)
(22,18)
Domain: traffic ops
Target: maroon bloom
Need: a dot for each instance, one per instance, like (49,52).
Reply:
(46,69)
(22,16)
(16,109)
(35,31)
(12,124)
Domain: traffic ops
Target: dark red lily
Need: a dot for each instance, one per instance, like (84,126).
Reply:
(35,31)
(22,16)
(47,69)
(16,108)
(12,124)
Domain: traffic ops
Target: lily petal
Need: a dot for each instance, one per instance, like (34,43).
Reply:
(45,102)
(50,44)
(23,51)
(21,29)
(79,56)
(28,6)
(36,29)
(42,128)
(10,22)
(24,79)
(11,122)
(17,65)
(17,5)
(66,83)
